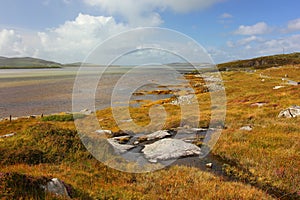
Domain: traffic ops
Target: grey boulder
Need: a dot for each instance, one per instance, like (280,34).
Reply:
(168,148)
(293,111)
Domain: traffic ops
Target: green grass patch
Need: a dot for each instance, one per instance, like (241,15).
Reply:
(63,118)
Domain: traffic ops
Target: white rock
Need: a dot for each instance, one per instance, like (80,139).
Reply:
(126,120)
(209,165)
(278,87)
(246,128)
(100,131)
(166,149)
(156,135)
(293,111)
(259,104)
(290,82)
(183,100)
(119,148)
(86,111)
(7,135)
(57,187)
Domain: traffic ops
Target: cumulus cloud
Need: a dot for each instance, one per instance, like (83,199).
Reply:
(256,29)
(273,46)
(146,12)
(74,39)
(69,42)
(10,43)
(294,25)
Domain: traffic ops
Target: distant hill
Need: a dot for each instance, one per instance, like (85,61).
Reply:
(262,62)
(26,62)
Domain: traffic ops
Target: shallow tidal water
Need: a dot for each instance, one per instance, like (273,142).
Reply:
(25,92)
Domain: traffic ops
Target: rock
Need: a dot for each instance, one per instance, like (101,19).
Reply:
(166,149)
(259,104)
(183,100)
(57,187)
(290,112)
(126,120)
(209,165)
(122,139)
(119,148)
(105,132)
(278,87)
(156,135)
(136,142)
(86,111)
(246,128)
(295,83)
(7,135)
(189,130)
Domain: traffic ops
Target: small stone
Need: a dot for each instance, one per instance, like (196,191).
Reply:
(246,128)
(209,165)
(86,111)
(277,87)
(7,135)
(259,104)
(106,132)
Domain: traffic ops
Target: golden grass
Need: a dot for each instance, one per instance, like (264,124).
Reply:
(270,153)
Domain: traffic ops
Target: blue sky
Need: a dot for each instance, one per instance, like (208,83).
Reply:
(66,30)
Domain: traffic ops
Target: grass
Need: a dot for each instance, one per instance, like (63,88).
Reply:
(268,157)
(63,117)
(61,154)
(271,151)
(262,62)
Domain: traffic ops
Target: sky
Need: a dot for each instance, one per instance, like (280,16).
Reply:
(67,31)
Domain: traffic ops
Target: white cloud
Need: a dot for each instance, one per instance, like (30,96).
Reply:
(226,16)
(256,29)
(10,43)
(294,25)
(246,41)
(70,42)
(146,12)
(256,46)
(274,46)
(74,39)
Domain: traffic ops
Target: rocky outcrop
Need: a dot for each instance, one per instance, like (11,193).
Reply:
(293,111)
(167,149)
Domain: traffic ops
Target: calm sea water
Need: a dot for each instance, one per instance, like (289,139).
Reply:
(26,92)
